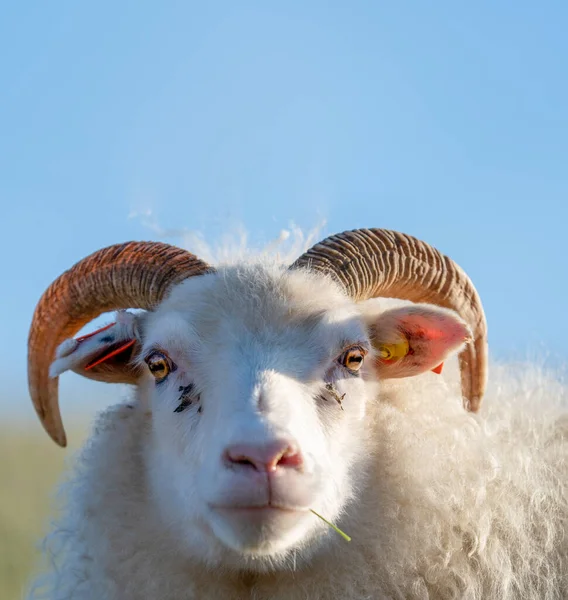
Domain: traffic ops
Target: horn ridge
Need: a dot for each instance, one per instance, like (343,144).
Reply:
(379,262)
(126,275)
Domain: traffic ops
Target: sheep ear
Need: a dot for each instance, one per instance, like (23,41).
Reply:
(414,339)
(104,355)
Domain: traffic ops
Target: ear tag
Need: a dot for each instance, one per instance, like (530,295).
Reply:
(391,352)
(90,335)
(106,357)
(438,369)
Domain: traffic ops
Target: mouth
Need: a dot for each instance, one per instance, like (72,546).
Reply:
(261,529)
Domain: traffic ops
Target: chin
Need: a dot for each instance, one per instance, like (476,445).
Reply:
(258,532)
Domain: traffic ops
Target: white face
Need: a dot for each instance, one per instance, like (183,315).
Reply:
(258,404)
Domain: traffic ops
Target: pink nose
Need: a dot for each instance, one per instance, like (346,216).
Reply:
(265,457)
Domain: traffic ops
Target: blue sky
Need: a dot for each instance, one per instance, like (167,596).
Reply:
(446,120)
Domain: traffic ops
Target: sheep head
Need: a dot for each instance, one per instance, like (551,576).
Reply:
(257,378)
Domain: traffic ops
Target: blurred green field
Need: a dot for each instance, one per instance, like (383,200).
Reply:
(30,468)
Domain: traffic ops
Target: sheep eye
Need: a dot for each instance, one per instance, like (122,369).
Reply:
(352,358)
(159,365)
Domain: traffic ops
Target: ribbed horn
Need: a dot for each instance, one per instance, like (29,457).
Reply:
(129,275)
(376,262)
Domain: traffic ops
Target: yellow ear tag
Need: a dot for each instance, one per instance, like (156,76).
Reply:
(394,351)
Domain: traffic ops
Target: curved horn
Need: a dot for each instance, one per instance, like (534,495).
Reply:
(377,262)
(129,275)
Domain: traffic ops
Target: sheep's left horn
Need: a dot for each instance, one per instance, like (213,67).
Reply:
(376,262)
(130,275)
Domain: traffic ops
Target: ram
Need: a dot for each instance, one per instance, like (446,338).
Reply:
(266,395)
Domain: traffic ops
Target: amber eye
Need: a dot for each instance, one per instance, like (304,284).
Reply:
(159,365)
(352,358)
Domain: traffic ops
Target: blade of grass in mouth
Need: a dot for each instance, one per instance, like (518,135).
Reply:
(341,533)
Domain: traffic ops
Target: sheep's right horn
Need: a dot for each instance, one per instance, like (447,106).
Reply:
(376,262)
(130,275)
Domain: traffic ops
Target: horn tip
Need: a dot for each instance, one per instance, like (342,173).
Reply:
(47,409)
(473,404)
(57,434)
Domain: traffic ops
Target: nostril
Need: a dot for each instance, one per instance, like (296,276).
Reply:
(263,458)
(242,461)
(236,457)
(291,458)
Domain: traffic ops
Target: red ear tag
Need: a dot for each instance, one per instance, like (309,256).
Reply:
(104,358)
(438,369)
(89,335)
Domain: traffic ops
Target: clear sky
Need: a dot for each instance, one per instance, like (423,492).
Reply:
(445,120)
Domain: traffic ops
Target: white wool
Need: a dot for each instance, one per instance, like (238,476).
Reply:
(439,503)
(234,243)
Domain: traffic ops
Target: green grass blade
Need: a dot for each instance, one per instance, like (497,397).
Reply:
(341,533)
